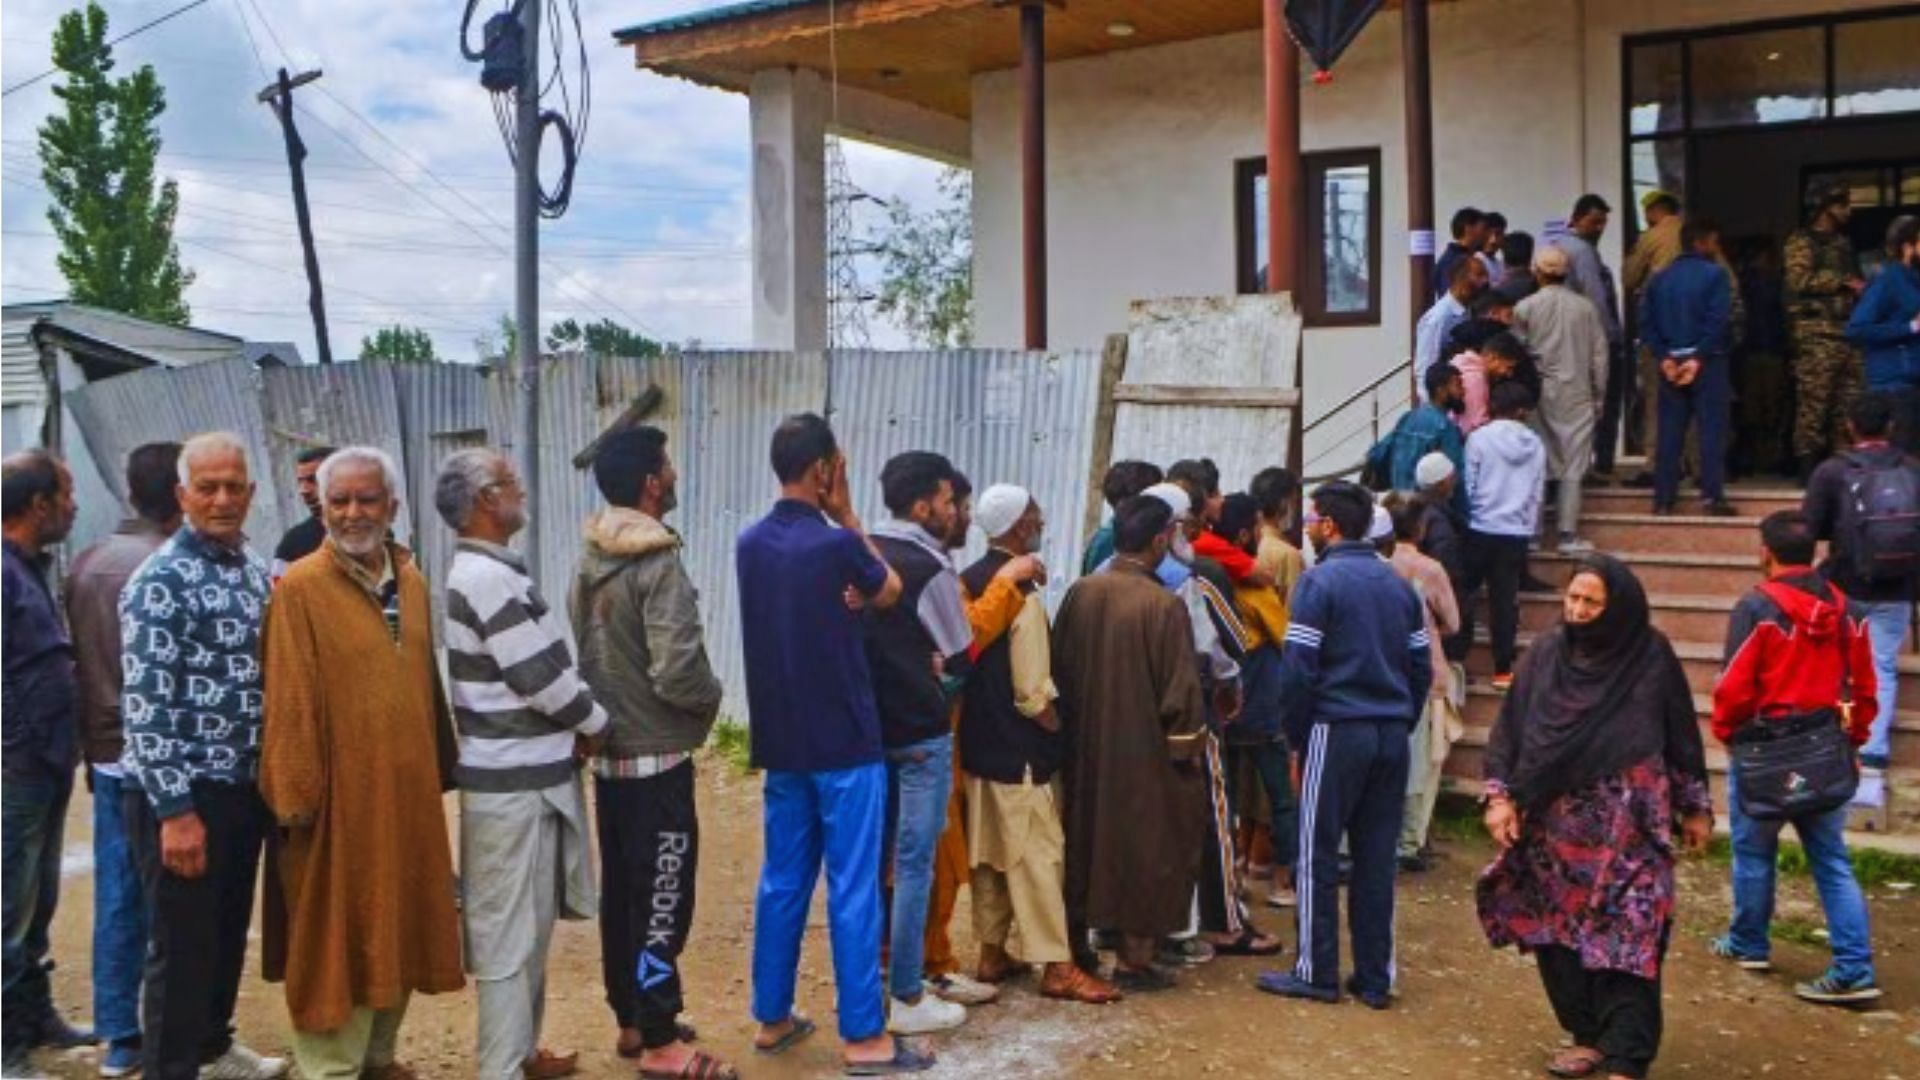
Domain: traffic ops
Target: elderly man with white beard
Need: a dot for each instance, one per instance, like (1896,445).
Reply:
(191,706)
(357,750)
(519,706)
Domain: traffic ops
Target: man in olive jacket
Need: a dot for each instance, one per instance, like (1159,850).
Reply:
(638,627)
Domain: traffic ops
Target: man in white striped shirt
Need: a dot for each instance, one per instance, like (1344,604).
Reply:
(523,715)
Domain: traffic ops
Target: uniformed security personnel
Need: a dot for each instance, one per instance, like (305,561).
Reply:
(1822,281)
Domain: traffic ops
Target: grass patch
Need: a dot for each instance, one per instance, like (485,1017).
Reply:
(1457,818)
(729,742)
(1872,867)
(1799,932)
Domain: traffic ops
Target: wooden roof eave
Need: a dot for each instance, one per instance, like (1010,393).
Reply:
(660,51)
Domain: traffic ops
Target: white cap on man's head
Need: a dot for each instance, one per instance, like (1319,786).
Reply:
(1382,526)
(999,508)
(1432,470)
(1174,496)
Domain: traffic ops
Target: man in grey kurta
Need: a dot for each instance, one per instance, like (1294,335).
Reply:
(520,708)
(1589,276)
(1570,339)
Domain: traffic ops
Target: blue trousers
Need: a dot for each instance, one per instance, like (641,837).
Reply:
(1887,630)
(33,815)
(1706,402)
(1353,781)
(119,917)
(1755,846)
(809,817)
(919,782)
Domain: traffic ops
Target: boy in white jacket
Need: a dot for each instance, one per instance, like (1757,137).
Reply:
(1506,473)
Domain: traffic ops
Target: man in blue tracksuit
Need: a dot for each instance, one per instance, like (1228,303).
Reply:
(1886,323)
(1684,316)
(1355,674)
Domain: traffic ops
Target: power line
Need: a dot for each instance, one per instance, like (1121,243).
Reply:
(144,27)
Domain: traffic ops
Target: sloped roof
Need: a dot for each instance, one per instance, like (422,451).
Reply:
(21,381)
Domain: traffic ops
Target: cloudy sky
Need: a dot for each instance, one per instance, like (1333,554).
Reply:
(410,189)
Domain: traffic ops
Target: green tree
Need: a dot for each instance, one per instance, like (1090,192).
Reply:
(97,158)
(602,338)
(400,344)
(926,262)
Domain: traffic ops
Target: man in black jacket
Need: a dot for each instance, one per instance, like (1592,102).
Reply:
(917,651)
(1886,600)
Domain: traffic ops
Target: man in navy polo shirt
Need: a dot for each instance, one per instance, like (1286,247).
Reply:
(816,734)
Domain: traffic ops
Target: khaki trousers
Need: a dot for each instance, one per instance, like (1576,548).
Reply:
(1030,891)
(365,1041)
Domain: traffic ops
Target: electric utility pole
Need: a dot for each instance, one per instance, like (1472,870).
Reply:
(526,268)
(280,96)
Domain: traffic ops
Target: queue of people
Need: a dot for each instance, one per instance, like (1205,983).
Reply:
(1205,722)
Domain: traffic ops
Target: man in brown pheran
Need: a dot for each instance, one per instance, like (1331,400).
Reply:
(357,750)
(1130,704)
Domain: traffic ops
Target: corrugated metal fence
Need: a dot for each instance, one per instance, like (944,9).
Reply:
(1021,417)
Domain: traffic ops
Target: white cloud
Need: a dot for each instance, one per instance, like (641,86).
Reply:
(657,235)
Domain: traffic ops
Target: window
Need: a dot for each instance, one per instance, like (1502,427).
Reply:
(1768,77)
(1876,66)
(1340,281)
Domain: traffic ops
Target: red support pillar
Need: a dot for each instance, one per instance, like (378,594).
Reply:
(1033,167)
(1419,108)
(1284,207)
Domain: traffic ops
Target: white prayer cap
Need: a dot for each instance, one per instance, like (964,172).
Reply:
(999,508)
(1432,469)
(1174,496)
(1382,526)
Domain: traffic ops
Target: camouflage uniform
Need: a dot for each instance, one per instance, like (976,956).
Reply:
(1827,372)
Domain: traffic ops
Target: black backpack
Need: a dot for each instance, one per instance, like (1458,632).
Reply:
(1880,517)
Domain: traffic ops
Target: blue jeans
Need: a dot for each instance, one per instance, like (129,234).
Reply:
(1887,630)
(119,917)
(919,781)
(808,816)
(1756,843)
(33,815)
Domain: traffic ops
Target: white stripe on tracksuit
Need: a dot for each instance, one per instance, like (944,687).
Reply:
(1310,775)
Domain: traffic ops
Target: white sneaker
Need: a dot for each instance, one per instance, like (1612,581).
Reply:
(926,1016)
(962,990)
(1573,545)
(241,1063)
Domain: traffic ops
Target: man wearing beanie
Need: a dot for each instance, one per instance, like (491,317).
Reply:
(1010,752)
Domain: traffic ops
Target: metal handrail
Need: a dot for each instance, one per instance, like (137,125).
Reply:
(1354,398)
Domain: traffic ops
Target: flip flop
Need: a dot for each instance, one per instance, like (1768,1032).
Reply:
(1571,1064)
(701,1066)
(905,1060)
(802,1027)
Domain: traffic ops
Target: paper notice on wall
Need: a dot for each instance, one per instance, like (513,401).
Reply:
(1554,230)
(1002,398)
(1420,242)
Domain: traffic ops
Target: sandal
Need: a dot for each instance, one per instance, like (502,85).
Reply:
(802,1027)
(905,1059)
(701,1066)
(1575,1062)
(1247,944)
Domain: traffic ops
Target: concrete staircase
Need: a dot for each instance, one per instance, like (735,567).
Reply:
(1694,570)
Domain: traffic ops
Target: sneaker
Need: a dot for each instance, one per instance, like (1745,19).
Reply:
(1376,1002)
(1722,947)
(1283,896)
(1829,990)
(1719,508)
(241,1063)
(926,1016)
(1503,681)
(1285,984)
(121,1059)
(961,990)
(1183,952)
(1573,545)
(1414,863)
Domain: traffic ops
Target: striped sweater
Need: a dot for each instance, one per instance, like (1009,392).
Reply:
(518,702)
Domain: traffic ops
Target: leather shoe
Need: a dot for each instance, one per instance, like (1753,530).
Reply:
(547,1065)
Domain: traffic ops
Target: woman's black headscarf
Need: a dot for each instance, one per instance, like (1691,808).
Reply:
(1592,700)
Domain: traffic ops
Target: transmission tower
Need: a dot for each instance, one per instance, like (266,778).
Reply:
(846,301)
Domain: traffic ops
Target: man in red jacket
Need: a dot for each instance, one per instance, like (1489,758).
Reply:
(1796,645)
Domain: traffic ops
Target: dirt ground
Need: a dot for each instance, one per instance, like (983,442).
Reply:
(1463,1011)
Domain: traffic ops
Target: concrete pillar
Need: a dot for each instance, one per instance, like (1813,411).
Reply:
(789,121)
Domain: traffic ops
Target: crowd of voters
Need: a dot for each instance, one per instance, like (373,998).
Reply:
(1212,720)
